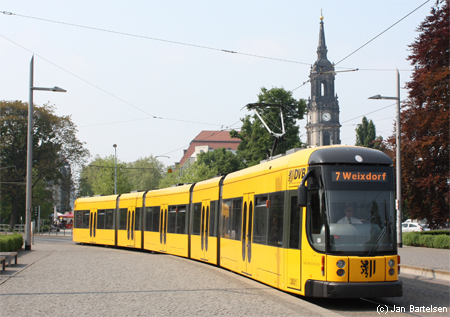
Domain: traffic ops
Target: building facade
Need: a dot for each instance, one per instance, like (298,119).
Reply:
(323,127)
(207,141)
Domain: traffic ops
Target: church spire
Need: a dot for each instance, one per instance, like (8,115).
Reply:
(322,47)
(323,127)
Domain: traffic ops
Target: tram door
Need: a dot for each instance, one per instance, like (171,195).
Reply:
(247,233)
(131,219)
(163,215)
(204,227)
(92,225)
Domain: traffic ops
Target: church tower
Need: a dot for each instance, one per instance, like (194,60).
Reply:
(323,127)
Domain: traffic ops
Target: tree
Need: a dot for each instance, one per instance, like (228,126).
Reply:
(366,135)
(98,177)
(188,173)
(256,142)
(425,121)
(54,144)
(145,173)
(220,160)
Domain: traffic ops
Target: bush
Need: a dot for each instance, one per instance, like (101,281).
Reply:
(411,238)
(11,242)
(442,242)
(426,240)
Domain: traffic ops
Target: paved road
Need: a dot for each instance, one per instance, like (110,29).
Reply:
(438,259)
(61,278)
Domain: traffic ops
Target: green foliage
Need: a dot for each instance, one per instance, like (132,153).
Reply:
(442,242)
(220,160)
(207,166)
(425,117)
(97,178)
(54,144)
(429,239)
(426,241)
(188,173)
(366,135)
(411,238)
(256,142)
(145,173)
(10,242)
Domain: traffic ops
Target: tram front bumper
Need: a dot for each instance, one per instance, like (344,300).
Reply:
(353,290)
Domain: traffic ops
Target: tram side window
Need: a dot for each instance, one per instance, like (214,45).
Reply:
(177,219)
(79,219)
(101,219)
(295,225)
(226,219)
(212,217)
(197,212)
(236,219)
(137,217)
(260,220)
(109,219)
(86,216)
(123,218)
(181,220)
(276,211)
(232,217)
(152,219)
(171,222)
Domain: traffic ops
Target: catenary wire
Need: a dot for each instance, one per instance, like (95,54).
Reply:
(103,90)
(198,46)
(359,48)
(157,39)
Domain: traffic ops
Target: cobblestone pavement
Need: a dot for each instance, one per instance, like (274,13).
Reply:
(61,278)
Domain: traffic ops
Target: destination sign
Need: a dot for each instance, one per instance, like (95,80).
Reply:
(354,176)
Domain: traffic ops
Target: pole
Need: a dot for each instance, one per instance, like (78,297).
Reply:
(29,162)
(399,168)
(39,219)
(115,169)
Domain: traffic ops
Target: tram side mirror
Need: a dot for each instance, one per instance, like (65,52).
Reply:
(302,191)
(302,196)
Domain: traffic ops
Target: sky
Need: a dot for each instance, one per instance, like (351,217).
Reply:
(151,75)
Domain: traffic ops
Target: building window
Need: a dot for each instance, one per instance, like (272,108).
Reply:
(326,138)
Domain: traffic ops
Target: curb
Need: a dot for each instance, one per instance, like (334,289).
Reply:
(426,272)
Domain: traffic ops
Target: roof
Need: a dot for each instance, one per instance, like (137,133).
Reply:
(214,139)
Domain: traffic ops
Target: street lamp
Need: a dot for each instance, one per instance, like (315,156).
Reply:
(30,155)
(398,161)
(115,169)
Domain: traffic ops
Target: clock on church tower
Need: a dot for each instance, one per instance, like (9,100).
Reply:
(323,127)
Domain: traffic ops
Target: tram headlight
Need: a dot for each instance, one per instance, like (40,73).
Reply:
(340,264)
(391,271)
(391,263)
(340,272)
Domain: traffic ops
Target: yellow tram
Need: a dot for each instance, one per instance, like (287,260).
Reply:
(318,222)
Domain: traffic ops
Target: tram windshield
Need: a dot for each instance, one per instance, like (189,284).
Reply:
(352,210)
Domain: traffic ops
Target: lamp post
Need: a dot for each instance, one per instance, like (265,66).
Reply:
(30,155)
(398,161)
(115,169)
